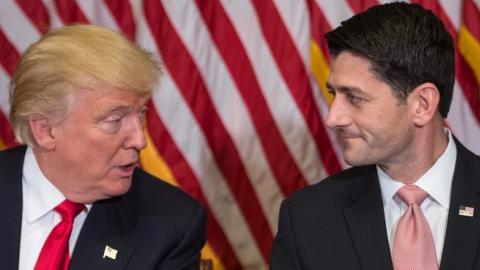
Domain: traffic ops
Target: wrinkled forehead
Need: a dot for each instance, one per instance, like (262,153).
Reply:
(108,98)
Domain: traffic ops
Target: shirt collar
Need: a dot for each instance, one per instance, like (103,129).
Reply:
(437,181)
(40,196)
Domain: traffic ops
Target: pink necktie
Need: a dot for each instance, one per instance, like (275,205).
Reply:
(54,254)
(413,247)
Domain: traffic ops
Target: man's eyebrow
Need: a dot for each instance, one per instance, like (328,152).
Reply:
(345,89)
(115,109)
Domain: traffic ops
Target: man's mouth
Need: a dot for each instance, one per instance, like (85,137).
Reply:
(127,169)
(347,135)
(343,136)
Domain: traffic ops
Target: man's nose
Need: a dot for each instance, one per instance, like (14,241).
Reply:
(135,137)
(338,115)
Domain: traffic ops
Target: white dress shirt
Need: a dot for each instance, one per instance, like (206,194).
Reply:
(437,182)
(38,216)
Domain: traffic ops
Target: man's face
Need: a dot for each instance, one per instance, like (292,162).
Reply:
(372,124)
(97,144)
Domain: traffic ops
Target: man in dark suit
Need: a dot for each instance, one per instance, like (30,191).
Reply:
(72,198)
(392,76)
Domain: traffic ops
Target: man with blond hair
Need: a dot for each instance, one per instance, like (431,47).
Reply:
(72,197)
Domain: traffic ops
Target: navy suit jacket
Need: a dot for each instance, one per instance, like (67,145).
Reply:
(339,223)
(153,226)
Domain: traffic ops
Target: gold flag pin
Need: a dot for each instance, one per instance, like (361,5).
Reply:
(466,211)
(110,253)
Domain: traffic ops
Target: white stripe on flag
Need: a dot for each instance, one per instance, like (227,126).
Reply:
(228,103)
(4,82)
(296,18)
(55,20)
(335,13)
(453,9)
(477,3)
(463,122)
(288,118)
(98,13)
(16,26)
(182,125)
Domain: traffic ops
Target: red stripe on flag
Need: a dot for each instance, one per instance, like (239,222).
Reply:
(466,78)
(189,183)
(358,6)
(9,56)
(471,18)
(185,73)
(69,12)
(37,13)
(6,133)
(436,8)
(463,72)
(319,26)
(293,70)
(122,11)
(283,166)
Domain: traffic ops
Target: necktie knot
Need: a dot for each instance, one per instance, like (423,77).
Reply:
(69,210)
(411,194)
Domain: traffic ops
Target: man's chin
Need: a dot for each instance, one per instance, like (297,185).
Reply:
(355,159)
(120,187)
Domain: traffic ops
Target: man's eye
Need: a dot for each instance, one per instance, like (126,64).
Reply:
(112,123)
(354,99)
(113,119)
(142,113)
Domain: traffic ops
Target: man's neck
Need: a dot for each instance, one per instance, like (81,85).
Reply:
(424,152)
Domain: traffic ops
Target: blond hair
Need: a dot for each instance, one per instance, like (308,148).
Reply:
(70,59)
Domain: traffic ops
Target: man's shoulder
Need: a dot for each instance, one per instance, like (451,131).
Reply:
(334,189)
(11,164)
(149,193)
(467,163)
(464,154)
(13,154)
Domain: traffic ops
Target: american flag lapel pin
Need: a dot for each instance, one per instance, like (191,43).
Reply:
(466,211)
(110,253)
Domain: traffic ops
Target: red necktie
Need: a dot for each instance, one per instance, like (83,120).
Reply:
(54,254)
(413,247)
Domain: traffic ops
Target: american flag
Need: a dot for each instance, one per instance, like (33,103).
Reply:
(238,119)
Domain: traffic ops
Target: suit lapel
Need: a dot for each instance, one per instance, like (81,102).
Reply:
(103,227)
(11,166)
(366,223)
(463,233)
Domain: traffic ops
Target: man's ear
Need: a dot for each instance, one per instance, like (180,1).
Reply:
(424,100)
(41,128)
